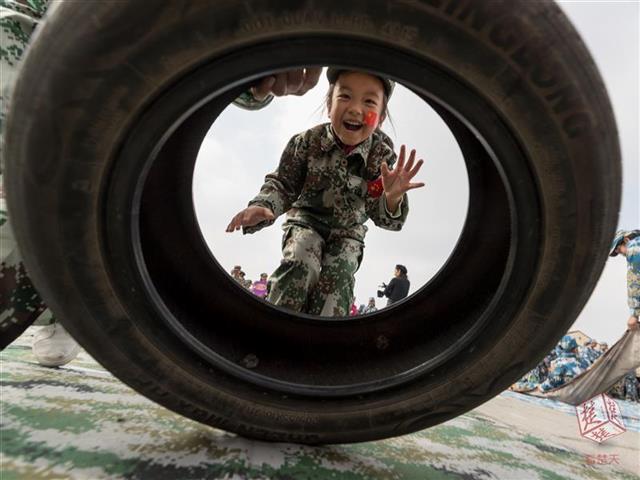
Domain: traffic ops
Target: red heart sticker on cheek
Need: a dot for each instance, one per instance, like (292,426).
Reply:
(371,119)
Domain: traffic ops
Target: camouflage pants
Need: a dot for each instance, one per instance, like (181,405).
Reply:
(631,387)
(20,304)
(315,276)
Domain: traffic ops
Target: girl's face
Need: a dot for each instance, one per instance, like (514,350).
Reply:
(355,96)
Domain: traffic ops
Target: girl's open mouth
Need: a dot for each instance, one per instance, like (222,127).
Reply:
(352,126)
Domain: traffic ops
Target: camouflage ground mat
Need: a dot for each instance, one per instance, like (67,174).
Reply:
(80,422)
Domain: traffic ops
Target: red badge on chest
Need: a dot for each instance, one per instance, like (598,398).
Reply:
(374,187)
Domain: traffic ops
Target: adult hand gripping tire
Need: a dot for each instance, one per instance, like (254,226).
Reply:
(108,117)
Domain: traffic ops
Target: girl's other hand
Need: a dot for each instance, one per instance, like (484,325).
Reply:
(397,182)
(249,217)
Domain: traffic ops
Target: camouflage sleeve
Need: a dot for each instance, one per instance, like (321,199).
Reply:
(398,211)
(247,101)
(633,276)
(18,20)
(377,208)
(32,8)
(282,187)
(19,300)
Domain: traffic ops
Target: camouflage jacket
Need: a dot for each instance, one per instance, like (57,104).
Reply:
(633,275)
(18,20)
(588,354)
(320,186)
(563,369)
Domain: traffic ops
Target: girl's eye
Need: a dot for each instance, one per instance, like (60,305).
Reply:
(371,102)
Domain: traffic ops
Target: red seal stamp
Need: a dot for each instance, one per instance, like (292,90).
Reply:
(600,419)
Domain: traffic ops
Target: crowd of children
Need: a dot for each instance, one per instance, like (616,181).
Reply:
(260,288)
(568,360)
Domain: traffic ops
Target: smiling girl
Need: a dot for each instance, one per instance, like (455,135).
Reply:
(331,179)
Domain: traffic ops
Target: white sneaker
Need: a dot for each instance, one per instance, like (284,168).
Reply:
(53,346)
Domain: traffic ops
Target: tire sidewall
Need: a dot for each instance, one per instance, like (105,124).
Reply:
(62,230)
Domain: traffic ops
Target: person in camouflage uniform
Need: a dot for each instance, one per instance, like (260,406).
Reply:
(588,352)
(532,379)
(20,303)
(627,243)
(331,179)
(626,388)
(567,366)
(631,386)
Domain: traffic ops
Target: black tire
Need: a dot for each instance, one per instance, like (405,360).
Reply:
(103,110)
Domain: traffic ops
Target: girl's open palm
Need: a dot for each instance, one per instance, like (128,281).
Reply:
(397,182)
(249,217)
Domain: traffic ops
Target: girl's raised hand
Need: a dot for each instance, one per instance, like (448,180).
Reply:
(397,182)
(249,217)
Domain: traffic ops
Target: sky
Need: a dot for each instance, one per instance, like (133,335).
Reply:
(250,145)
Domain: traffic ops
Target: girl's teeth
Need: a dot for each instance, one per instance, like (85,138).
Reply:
(352,126)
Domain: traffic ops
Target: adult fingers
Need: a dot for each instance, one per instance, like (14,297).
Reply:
(279,88)
(311,77)
(263,88)
(295,79)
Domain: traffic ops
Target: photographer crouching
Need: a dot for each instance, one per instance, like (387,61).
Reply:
(398,287)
